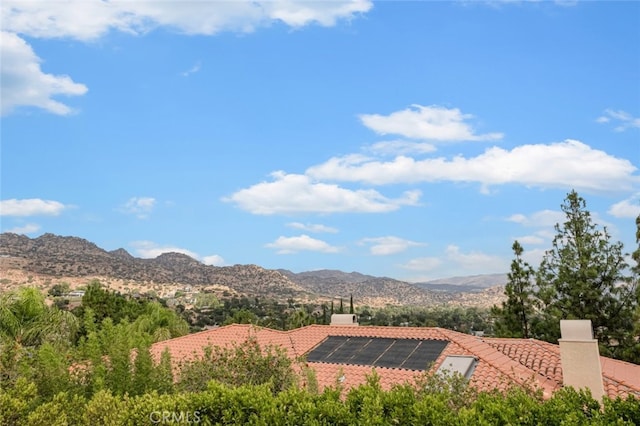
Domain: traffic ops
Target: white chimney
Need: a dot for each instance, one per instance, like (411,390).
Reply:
(344,319)
(580,357)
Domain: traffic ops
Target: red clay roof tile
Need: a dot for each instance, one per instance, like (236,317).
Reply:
(501,362)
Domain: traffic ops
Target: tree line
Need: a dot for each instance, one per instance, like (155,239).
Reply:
(584,275)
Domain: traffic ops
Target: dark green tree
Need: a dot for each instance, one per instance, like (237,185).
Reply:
(299,318)
(59,290)
(242,316)
(108,304)
(582,277)
(514,318)
(26,323)
(351,310)
(632,351)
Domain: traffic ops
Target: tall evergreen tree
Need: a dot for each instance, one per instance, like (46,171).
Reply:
(351,310)
(514,318)
(631,351)
(581,277)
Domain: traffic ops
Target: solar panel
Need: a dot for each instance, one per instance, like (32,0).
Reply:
(412,354)
(348,350)
(427,352)
(326,348)
(372,351)
(397,353)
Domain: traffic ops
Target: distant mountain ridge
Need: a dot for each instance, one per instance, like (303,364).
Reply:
(332,283)
(472,283)
(58,256)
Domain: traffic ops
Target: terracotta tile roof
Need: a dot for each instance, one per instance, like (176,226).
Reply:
(501,362)
(619,378)
(190,346)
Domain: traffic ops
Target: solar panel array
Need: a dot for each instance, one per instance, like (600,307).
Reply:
(411,354)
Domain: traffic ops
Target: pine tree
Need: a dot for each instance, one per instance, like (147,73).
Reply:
(351,310)
(581,277)
(515,316)
(631,350)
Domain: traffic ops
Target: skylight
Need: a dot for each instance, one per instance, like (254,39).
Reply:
(462,364)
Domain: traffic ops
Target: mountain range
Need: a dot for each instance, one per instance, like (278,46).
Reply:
(56,258)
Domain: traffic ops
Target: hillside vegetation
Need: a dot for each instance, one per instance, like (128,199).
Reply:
(50,259)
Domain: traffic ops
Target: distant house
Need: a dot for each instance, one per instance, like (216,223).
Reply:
(348,353)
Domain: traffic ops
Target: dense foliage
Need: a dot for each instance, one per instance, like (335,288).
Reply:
(290,315)
(515,316)
(368,404)
(583,276)
(94,367)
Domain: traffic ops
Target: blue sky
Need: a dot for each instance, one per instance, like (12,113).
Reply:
(414,140)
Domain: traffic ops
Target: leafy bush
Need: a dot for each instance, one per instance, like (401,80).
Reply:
(369,404)
(242,364)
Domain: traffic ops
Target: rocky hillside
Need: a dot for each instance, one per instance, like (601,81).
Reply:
(58,257)
(374,291)
(468,284)
(365,288)
(53,257)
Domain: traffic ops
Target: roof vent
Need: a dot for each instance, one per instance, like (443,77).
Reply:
(344,319)
(580,357)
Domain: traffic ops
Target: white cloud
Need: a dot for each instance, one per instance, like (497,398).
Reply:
(194,69)
(530,239)
(533,257)
(624,119)
(424,264)
(81,20)
(213,260)
(475,262)
(382,246)
(568,164)
(517,218)
(293,193)
(629,208)
(400,147)
(141,207)
(89,19)
(150,250)
(310,227)
(23,83)
(327,13)
(287,245)
(433,123)
(542,218)
(459,263)
(31,207)
(28,228)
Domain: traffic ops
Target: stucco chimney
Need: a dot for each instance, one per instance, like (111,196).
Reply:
(344,319)
(580,357)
